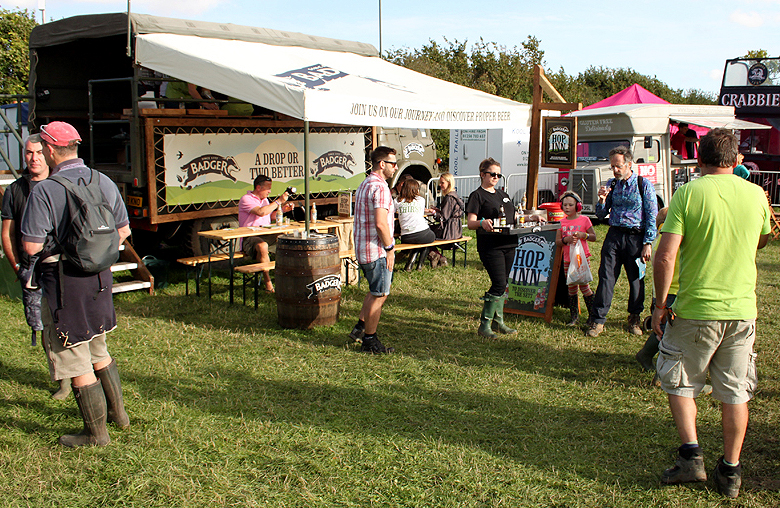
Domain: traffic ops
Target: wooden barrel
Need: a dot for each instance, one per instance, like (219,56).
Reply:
(308,280)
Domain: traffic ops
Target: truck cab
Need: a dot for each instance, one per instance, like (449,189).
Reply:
(182,170)
(752,87)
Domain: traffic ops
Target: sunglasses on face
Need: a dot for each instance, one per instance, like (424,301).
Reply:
(493,175)
(391,162)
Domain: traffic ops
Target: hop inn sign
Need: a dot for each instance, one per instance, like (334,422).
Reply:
(559,149)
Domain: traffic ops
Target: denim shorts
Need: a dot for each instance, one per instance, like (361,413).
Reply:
(378,276)
(690,348)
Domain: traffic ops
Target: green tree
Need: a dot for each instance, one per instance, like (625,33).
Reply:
(492,68)
(760,53)
(15,28)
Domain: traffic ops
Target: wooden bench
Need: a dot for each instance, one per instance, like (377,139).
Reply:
(421,250)
(196,263)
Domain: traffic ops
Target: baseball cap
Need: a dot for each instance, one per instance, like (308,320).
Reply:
(59,133)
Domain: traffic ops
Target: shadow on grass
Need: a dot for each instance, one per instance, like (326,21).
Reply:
(530,433)
(440,334)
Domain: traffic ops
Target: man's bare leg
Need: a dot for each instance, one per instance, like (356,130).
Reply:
(372,311)
(684,414)
(734,422)
(263,257)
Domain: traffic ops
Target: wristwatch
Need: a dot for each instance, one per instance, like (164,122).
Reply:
(390,247)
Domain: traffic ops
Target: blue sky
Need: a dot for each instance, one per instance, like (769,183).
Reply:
(683,43)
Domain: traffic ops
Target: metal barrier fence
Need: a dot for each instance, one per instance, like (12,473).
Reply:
(770,182)
(513,184)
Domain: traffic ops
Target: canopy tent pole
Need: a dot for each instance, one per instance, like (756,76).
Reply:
(306,211)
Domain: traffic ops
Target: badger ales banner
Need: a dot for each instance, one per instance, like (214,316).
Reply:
(534,275)
(559,142)
(204,168)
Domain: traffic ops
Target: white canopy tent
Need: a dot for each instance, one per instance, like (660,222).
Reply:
(316,85)
(325,86)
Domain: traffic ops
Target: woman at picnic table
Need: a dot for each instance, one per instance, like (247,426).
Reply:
(411,216)
(496,250)
(450,214)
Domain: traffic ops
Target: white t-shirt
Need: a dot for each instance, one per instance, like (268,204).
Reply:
(411,216)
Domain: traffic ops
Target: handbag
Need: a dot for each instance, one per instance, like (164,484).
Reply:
(579,269)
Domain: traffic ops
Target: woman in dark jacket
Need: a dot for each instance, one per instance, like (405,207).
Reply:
(450,216)
(496,250)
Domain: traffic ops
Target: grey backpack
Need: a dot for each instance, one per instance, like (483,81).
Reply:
(91,240)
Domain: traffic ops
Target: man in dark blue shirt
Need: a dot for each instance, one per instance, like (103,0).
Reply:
(631,204)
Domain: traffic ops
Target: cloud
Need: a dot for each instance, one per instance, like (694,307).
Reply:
(717,75)
(750,19)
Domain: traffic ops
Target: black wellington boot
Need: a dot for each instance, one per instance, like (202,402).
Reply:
(574,308)
(589,305)
(648,351)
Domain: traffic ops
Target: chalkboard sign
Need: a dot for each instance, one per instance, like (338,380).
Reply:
(345,204)
(560,142)
(533,279)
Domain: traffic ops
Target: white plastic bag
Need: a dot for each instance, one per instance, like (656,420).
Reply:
(579,269)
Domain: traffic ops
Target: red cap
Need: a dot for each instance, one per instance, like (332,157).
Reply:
(59,133)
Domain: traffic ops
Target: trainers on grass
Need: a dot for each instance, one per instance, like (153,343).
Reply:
(357,334)
(595,329)
(373,346)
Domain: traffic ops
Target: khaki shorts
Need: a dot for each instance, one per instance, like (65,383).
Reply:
(690,348)
(67,363)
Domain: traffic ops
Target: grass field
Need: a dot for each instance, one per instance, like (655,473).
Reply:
(229,409)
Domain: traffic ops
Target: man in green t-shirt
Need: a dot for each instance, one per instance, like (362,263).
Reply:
(716,223)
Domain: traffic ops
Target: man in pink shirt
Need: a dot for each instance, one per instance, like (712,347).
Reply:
(255,210)
(374,245)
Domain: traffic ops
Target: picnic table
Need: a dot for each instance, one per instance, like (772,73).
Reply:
(230,236)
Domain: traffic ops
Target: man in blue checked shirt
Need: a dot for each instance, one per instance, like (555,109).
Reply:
(631,204)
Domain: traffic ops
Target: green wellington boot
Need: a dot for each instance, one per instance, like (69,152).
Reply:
(648,351)
(498,320)
(109,378)
(92,404)
(488,311)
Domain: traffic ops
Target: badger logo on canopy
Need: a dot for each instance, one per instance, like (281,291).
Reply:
(312,76)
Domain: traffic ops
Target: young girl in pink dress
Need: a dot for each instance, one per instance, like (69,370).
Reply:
(575,228)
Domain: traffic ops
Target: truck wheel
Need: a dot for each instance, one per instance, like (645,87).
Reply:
(199,246)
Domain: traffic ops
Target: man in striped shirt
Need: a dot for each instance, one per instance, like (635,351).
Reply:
(374,245)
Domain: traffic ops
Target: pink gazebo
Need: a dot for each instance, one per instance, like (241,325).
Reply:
(634,94)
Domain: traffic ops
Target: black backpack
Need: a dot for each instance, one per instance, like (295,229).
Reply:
(91,241)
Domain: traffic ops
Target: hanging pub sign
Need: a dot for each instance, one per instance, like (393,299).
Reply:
(533,278)
(559,144)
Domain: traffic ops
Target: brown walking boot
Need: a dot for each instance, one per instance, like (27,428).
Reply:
(635,324)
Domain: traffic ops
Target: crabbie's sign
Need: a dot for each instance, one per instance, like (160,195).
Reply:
(204,168)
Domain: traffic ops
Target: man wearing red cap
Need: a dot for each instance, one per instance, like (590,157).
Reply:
(78,307)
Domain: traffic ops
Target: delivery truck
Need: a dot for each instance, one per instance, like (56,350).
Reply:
(645,129)
(182,169)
